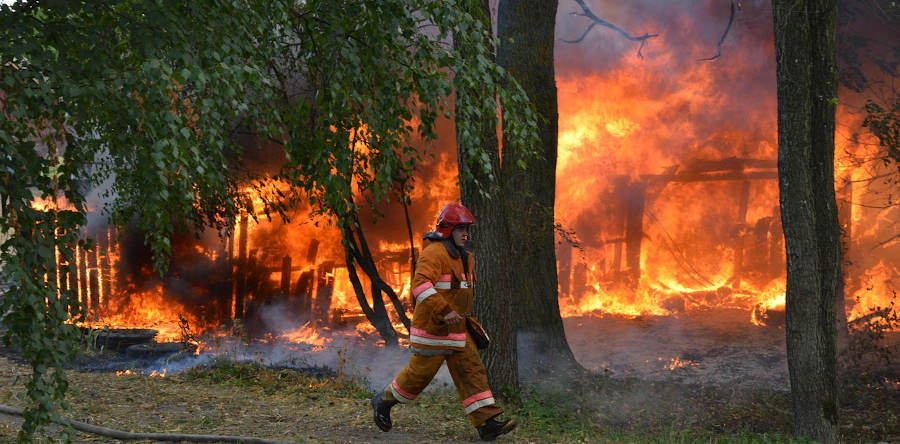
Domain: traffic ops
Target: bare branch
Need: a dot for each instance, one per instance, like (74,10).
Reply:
(598,21)
(583,34)
(123,435)
(724,34)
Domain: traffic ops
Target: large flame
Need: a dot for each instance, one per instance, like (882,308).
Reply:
(666,173)
(666,187)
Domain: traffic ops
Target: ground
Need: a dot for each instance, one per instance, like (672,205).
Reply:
(296,408)
(633,392)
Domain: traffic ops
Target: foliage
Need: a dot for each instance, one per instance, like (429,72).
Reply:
(363,86)
(372,86)
(885,125)
(145,97)
(125,89)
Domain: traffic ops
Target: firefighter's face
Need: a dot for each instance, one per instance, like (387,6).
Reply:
(460,235)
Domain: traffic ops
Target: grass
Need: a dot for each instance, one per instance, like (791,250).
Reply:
(249,399)
(251,374)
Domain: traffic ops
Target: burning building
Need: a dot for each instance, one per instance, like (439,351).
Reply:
(667,196)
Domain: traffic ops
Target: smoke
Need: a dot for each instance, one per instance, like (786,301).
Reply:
(715,348)
(371,365)
(686,108)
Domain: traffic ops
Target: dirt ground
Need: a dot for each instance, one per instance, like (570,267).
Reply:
(298,412)
(661,380)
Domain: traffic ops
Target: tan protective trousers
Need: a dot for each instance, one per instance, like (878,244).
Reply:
(468,375)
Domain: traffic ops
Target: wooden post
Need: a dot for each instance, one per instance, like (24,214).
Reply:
(579,281)
(634,230)
(285,276)
(64,271)
(252,273)
(95,265)
(325,289)
(105,274)
(241,272)
(304,287)
(304,291)
(232,281)
(83,277)
(743,200)
(95,291)
(312,251)
(617,229)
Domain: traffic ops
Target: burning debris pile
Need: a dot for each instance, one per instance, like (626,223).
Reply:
(667,170)
(667,200)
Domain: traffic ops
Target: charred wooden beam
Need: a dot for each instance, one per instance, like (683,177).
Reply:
(67,284)
(286,276)
(303,291)
(252,276)
(312,251)
(82,276)
(240,292)
(95,290)
(105,269)
(636,198)
(730,164)
(743,202)
(324,292)
(579,281)
(620,188)
(710,176)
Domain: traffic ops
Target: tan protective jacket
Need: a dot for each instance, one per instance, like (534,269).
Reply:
(439,286)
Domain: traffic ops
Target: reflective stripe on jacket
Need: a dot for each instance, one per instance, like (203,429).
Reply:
(439,286)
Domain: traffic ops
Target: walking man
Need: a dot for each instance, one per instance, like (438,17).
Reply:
(442,288)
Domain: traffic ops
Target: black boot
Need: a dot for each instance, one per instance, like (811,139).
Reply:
(382,412)
(493,428)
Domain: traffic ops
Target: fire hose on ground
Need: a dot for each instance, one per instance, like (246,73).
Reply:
(118,434)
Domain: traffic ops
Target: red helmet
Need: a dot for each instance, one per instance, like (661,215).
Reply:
(452,214)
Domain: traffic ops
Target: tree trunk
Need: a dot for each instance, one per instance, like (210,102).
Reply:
(493,299)
(526,35)
(357,252)
(807,88)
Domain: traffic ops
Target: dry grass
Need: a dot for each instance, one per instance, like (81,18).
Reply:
(250,400)
(273,404)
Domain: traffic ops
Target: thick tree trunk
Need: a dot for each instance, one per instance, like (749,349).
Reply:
(493,300)
(807,89)
(526,35)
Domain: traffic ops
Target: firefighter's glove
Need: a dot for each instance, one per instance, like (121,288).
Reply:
(452,318)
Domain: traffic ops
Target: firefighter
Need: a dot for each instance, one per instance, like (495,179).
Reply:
(442,288)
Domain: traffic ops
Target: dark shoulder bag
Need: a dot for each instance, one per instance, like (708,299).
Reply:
(477,332)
